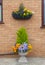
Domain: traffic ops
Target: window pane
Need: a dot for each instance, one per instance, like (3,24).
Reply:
(0,13)
(44,12)
(0,1)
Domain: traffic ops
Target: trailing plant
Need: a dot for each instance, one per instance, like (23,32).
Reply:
(21,7)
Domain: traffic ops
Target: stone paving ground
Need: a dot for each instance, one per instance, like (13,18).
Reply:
(14,61)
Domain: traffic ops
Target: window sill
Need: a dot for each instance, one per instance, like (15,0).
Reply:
(1,22)
(43,26)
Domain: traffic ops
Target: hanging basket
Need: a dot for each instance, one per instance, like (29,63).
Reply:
(22,13)
(21,16)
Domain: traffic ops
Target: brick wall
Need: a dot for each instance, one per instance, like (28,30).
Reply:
(36,35)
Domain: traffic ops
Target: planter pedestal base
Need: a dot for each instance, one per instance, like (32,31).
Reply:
(23,59)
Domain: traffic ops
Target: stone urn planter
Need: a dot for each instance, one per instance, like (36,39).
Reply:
(22,47)
(22,50)
(22,57)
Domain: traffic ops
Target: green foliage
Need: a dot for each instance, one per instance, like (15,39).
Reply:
(22,36)
(21,7)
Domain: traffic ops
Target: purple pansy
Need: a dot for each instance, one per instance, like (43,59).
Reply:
(20,48)
(23,48)
(25,44)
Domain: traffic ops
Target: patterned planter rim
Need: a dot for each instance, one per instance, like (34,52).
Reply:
(22,53)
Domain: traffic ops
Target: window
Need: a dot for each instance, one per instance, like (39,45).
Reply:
(43,13)
(1,12)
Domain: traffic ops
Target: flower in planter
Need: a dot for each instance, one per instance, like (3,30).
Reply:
(14,49)
(22,48)
(25,44)
(29,46)
(25,9)
(22,13)
(17,45)
(22,44)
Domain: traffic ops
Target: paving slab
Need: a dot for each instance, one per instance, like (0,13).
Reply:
(14,61)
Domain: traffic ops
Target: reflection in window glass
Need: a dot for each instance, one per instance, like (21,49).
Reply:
(44,12)
(0,13)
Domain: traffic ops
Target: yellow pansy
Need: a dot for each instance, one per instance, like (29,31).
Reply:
(17,45)
(30,46)
(29,11)
(14,49)
(25,9)
(24,14)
